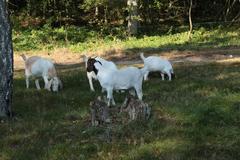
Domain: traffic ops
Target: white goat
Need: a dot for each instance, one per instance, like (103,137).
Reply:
(154,63)
(91,72)
(126,78)
(40,67)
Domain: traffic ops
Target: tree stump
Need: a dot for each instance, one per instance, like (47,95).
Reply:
(99,112)
(135,108)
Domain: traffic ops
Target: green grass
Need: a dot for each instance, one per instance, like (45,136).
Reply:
(196,116)
(82,39)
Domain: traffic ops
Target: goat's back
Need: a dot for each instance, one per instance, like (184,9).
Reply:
(156,63)
(40,66)
(107,64)
(126,77)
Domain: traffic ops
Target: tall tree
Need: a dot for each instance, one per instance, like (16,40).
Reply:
(190,21)
(6,61)
(132,17)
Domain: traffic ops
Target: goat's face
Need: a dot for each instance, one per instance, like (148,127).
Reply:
(56,83)
(90,65)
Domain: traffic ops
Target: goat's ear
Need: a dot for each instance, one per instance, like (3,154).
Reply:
(99,62)
(97,65)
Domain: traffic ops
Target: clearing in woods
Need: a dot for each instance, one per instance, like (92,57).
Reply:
(195,116)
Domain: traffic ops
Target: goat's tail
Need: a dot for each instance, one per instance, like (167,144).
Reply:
(142,56)
(23,57)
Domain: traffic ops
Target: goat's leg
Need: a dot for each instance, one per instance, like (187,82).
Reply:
(113,102)
(47,84)
(169,76)
(139,92)
(109,95)
(162,75)
(37,84)
(91,85)
(146,76)
(90,82)
(27,81)
(168,72)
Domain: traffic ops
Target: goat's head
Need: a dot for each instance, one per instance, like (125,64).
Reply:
(90,65)
(55,83)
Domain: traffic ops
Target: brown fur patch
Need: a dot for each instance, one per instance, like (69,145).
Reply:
(30,61)
(52,72)
(23,57)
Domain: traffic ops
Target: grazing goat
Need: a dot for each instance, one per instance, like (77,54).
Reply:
(126,78)
(153,63)
(92,72)
(40,67)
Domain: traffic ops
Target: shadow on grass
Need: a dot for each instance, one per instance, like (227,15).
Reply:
(196,116)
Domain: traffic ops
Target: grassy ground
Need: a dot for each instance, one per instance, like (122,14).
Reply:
(81,39)
(196,116)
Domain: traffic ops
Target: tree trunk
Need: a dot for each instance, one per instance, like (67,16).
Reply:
(96,11)
(229,8)
(190,21)
(106,15)
(6,62)
(132,17)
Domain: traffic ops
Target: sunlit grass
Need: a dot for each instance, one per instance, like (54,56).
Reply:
(82,39)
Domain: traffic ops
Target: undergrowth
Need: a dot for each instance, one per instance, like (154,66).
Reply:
(82,39)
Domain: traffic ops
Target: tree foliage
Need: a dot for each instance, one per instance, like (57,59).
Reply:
(116,12)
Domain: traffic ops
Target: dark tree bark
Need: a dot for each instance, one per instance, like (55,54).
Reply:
(6,62)
(132,17)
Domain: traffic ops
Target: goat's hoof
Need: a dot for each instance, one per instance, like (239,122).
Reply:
(48,89)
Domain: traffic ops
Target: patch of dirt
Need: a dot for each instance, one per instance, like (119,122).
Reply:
(64,57)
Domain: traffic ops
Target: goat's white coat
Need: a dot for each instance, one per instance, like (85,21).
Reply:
(126,78)
(154,63)
(40,67)
(91,75)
